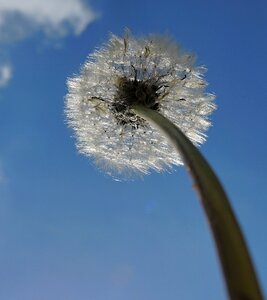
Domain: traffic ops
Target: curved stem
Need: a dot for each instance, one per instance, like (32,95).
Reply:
(237,266)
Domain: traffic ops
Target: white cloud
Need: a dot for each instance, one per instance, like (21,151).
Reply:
(20,18)
(5,76)
(55,18)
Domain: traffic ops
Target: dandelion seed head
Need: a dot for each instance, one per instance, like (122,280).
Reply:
(152,71)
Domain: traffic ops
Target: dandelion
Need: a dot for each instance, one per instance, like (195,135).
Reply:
(127,90)
(152,71)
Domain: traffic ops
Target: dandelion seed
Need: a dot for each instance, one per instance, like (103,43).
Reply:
(151,71)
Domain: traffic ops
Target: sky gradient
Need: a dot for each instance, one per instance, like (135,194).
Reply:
(70,232)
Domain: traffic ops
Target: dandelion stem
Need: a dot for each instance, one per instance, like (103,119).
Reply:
(240,276)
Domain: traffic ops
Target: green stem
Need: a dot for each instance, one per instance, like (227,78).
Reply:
(237,266)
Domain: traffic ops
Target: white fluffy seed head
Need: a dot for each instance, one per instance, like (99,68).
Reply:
(152,71)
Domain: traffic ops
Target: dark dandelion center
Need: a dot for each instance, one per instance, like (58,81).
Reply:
(132,92)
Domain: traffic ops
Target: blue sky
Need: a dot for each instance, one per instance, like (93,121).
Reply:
(70,232)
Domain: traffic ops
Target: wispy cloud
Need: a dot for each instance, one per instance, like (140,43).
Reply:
(5,76)
(21,18)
